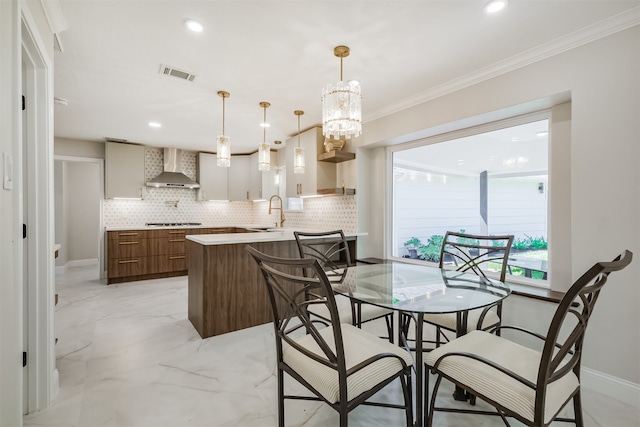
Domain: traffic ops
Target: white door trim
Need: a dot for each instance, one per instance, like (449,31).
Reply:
(11,322)
(40,287)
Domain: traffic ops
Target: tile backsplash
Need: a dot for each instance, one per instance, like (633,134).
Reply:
(180,205)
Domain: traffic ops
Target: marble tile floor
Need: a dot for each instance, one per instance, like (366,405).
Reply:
(128,357)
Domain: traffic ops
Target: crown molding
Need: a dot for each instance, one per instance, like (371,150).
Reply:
(604,28)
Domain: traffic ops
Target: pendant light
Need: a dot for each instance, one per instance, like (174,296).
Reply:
(298,152)
(223,149)
(342,105)
(264,151)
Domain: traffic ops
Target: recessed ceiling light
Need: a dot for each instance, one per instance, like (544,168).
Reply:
(194,26)
(155,125)
(495,6)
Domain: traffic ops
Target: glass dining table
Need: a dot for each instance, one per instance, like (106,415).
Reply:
(417,290)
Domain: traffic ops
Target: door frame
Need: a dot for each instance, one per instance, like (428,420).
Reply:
(39,285)
(100,231)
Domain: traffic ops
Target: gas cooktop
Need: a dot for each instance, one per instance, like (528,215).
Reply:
(171,224)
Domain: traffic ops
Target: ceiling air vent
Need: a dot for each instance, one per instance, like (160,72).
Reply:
(171,71)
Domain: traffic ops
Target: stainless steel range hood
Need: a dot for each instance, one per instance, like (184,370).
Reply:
(172,176)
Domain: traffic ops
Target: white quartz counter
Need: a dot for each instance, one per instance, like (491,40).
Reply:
(239,238)
(148,227)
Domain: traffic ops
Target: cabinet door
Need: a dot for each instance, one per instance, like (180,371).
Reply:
(124,172)
(239,178)
(255,179)
(213,179)
(270,185)
(263,184)
(316,174)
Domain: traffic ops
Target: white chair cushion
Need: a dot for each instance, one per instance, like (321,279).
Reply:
(370,311)
(359,345)
(496,385)
(344,309)
(448,320)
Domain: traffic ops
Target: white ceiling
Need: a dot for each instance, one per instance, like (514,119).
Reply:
(520,150)
(402,52)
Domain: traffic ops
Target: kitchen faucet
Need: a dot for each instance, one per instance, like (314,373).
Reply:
(281,208)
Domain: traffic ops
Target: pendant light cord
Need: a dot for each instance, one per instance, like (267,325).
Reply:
(223,115)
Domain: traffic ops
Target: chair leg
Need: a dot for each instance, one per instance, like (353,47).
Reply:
(389,320)
(280,398)
(577,409)
(429,418)
(344,418)
(405,380)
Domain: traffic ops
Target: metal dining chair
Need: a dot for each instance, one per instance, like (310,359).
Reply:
(332,252)
(475,254)
(529,385)
(340,364)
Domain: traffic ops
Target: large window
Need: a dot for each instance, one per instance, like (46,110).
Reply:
(485,182)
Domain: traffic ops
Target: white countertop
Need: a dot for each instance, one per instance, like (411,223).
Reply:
(148,227)
(239,238)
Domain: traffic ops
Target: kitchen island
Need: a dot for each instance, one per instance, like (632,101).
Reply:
(226,289)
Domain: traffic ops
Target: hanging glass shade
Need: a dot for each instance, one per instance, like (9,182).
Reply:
(264,150)
(223,142)
(342,105)
(298,152)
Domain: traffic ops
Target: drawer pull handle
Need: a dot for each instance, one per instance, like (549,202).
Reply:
(177,240)
(127,234)
(177,232)
(128,243)
(129,261)
(177,257)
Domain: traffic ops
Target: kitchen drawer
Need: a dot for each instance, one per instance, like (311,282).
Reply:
(176,244)
(131,234)
(135,266)
(171,263)
(125,248)
(173,233)
(219,230)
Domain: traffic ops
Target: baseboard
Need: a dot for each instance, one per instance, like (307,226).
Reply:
(82,262)
(62,269)
(611,386)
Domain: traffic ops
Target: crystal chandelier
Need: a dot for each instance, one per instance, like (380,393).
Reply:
(223,149)
(298,152)
(264,151)
(342,105)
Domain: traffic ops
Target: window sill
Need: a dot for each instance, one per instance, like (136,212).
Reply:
(535,292)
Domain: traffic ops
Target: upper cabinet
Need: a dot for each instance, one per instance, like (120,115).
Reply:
(317,175)
(213,179)
(263,184)
(124,172)
(239,181)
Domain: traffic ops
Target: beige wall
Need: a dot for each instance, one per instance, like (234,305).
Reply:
(78,148)
(604,199)
(83,210)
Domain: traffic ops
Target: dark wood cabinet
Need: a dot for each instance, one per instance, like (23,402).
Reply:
(151,254)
